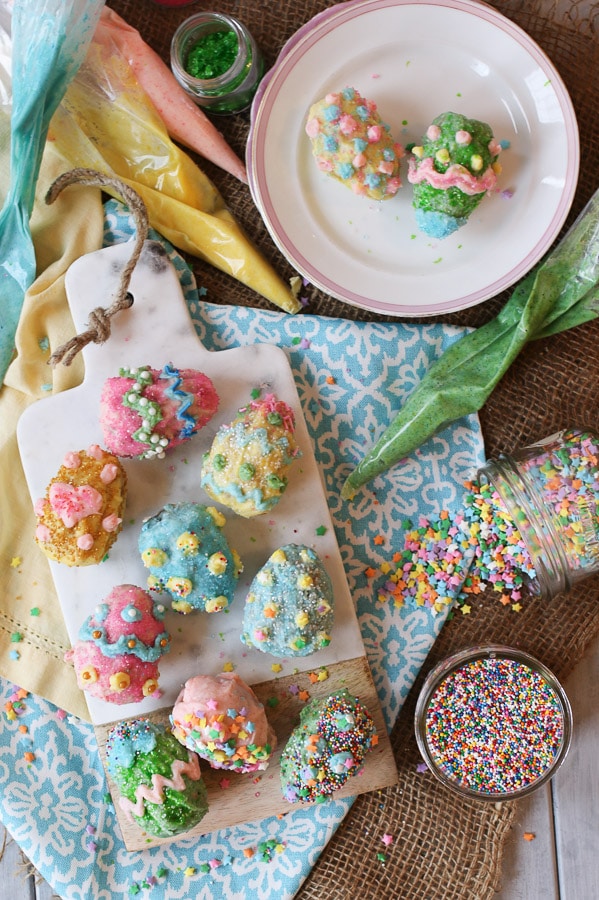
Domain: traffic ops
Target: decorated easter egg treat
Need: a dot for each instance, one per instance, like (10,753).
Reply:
(247,467)
(188,556)
(220,718)
(160,783)
(118,648)
(326,748)
(289,608)
(144,412)
(351,143)
(452,170)
(81,514)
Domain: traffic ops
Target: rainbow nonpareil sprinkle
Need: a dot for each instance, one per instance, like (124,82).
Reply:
(494,725)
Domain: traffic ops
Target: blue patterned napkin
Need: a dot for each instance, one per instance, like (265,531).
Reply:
(350,378)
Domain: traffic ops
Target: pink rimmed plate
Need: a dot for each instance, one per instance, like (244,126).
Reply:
(415,60)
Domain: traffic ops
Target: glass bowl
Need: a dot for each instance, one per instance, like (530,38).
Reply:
(493,723)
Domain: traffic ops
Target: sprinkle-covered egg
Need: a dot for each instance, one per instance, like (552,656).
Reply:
(247,467)
(159,781)
(119,645)
(220,718)
(144,411)
(352,144)
(327,747)
(452,169)
(289,607)
(81,514)
(188,557)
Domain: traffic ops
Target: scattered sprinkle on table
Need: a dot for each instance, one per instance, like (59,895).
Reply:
(268,849)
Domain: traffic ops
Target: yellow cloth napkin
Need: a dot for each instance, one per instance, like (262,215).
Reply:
(33,636)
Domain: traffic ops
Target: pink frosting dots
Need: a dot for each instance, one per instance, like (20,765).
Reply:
(351,143)
(109,473)
(80,515)
(85,542)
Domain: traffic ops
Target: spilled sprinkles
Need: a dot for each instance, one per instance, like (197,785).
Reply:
(446,562)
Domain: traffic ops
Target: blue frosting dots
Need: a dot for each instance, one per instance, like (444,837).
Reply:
(351,143)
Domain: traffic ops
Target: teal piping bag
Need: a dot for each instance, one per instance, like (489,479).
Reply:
(49,41)
(560,293)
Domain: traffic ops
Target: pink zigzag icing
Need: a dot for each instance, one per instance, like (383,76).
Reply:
(159,783)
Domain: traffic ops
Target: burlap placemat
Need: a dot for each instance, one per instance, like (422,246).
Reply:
(445,848)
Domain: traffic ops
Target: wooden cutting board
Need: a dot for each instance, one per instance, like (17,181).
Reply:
(157,329)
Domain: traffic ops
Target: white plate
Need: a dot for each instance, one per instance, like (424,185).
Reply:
(415,60)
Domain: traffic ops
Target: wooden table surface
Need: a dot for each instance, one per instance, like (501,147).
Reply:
(560,862)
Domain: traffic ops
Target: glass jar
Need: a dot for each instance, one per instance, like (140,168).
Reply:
(216,60)
(551,492)
(493,723)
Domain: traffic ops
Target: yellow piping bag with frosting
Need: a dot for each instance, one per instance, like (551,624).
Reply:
(106,122)
(184,120)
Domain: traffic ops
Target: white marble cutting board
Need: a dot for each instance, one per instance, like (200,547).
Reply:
(156,330)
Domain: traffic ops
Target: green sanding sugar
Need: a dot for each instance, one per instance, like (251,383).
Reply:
(212,55)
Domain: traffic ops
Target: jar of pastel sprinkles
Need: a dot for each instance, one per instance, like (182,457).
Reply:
(217,61)
(493,723)
(551,492)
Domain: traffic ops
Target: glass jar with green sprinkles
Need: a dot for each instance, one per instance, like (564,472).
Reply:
(550,492)
(217,61)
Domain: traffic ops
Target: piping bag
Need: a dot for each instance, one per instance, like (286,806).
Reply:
(49,40)
(560,293)
(184,120)
(107,122)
